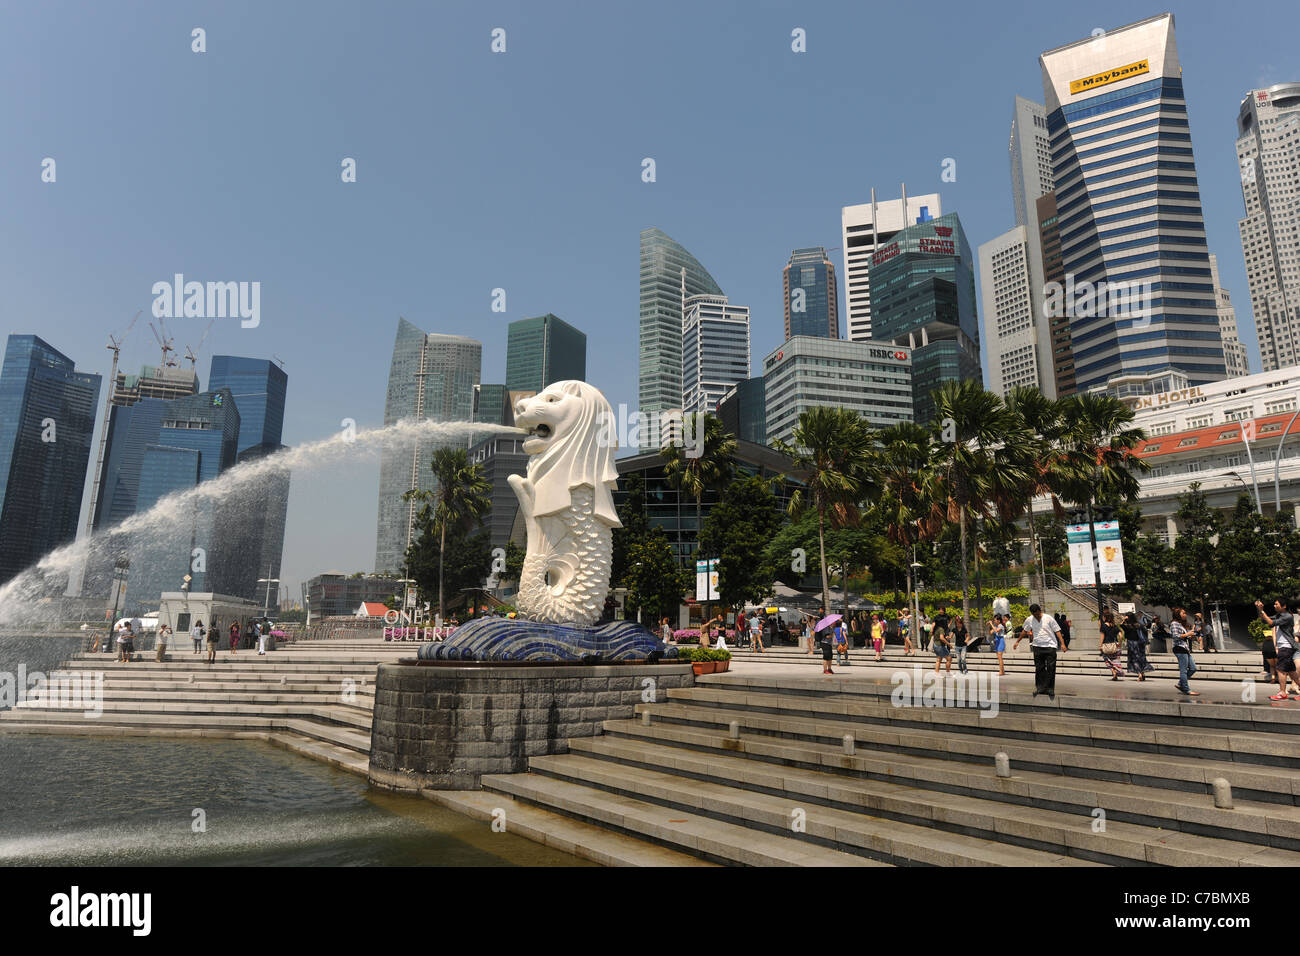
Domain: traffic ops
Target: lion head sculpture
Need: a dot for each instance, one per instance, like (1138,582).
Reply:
(570,444)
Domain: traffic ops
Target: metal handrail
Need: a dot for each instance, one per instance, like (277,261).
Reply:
(1057,583)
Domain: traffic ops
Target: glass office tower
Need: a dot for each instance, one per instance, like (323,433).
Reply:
(669,274)
(543,350)
(47,417)
(431,378)
(812,297)
(1129,209)
(923,297)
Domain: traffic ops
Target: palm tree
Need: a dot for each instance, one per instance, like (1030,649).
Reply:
(710,469)
(964,474)
(904,456)
(833,449)
(462,495)
(1040,457)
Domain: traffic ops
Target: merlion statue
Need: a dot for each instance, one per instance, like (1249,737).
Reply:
(567,502)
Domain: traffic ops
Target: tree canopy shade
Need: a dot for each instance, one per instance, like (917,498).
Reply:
(701,461)
(461,499)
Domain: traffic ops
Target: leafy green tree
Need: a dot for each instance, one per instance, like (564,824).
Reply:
(738,530)
(1257,557)
(461,498)
(632,517)
(1049,536)
(833,450)
(455,560)
(704,462)
(654,580)
(1194,551)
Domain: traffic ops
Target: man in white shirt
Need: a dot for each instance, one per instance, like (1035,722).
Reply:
(1045,640)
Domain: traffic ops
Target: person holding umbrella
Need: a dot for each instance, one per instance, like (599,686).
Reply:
(823,629)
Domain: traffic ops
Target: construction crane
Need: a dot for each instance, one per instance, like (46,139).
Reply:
(192,354)
(166,345)
(114,346)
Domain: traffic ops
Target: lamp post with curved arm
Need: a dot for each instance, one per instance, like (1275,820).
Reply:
(1277,463)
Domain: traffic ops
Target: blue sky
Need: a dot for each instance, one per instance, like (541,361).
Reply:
(518,170)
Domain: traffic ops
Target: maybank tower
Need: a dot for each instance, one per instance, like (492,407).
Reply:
(1138,290)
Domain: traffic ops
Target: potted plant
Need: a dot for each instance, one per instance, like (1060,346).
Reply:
(721,660)
(701,659)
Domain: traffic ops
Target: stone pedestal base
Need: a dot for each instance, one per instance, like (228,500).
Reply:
(442,726)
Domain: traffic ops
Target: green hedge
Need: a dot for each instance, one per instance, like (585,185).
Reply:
(699,654)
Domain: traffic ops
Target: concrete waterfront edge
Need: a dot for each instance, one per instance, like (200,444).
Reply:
(444,727)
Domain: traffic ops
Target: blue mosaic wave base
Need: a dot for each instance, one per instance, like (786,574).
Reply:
(501,639)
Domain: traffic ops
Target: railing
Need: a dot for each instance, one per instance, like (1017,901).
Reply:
(1088,598)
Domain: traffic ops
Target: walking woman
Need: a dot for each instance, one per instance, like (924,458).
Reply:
(828,649)
(878,636)
(214,635)
(1135,642)
(998,640)
(1180,634)
(1110,644)
(196,633)
(959,638)
(905,629)
(941,644)
(234,636)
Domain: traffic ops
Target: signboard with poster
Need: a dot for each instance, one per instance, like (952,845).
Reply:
(1082,572)
(1110,554)
(706,580)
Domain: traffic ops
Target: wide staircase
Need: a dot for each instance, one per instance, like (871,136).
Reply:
(766,769)
(315,698)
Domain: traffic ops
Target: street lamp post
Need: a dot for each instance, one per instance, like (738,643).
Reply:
(268,581)
(1251,458)
(916,595)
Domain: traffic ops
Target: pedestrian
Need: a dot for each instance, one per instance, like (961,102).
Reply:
(1135,643)
(130,638)
(1110,643)
(214,635)
(941,622)
(1002,607)
(998,640)
(1063,622)
(808,636)
(842,642)
(941,644)
(755,633)
(1045,641)
(666,632)
(825,636)
(196,634)
(905,632)
(234,636)
(160,646)
(1283,624)
(263,635)
(959,638)
(1180,633)
(924,628)
(878,637)
(119,638)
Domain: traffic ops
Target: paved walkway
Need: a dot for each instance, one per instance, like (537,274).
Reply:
(1155,687)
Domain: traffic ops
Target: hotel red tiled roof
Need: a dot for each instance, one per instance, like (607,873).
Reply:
(1267,428)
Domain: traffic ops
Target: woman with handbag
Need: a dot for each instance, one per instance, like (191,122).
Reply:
(1135,643)
(1110,644)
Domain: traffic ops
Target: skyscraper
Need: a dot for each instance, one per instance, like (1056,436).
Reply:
(1234,352)
(197,439)
(47,416)
(864,229)
(812,297)
(543,350)
(431,378)
(1010,329)
(1268,151)
(1049,240)
(1129,208)
(255,524)
(1031,159)
(923,292)
(662,292)
(715,350)
(743,410)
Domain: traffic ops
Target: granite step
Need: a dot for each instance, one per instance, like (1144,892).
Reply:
(1263,782)
(886,841)
(1036,810)
(697,834)
(333,711)
(585,840)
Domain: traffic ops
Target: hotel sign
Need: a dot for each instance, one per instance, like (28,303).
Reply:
(1166,398)
(1110,76)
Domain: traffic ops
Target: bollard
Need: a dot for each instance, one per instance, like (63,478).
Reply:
(283,679)
(1003,763)
(1222,794)
(645,717)
(850,745)
(733,730)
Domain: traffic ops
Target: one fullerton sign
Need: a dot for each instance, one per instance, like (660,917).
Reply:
(1110,76)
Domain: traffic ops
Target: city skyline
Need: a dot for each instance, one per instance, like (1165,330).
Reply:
(350,296)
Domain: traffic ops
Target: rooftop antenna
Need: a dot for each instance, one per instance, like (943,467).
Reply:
(114,346)
(280,360)
(192,355)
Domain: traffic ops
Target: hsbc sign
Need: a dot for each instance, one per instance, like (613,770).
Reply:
(897,355)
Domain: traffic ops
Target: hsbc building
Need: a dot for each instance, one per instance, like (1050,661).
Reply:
(871,378)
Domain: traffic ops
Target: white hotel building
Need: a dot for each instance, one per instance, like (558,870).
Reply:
(1225,435)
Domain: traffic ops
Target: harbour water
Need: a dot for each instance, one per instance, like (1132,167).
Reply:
(92,801)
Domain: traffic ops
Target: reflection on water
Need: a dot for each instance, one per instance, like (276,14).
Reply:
(121,802)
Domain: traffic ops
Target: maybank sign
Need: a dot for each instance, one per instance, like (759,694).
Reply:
(1110,76)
